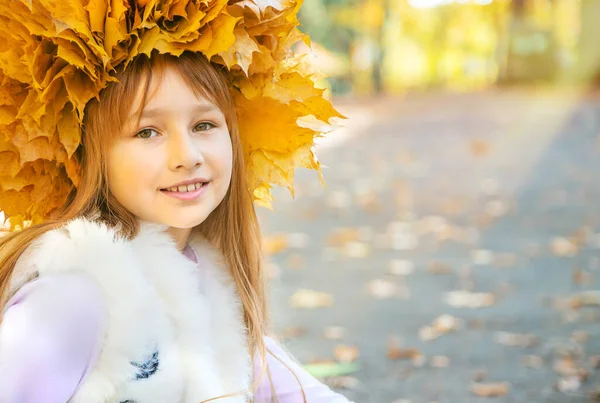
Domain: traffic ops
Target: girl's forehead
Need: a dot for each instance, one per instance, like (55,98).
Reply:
(168,90)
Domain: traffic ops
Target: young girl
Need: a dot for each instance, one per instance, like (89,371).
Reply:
(135,136)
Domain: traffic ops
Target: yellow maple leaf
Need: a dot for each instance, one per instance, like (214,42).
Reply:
(57,56)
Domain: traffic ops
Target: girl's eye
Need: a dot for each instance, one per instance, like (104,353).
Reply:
(203,126)
(145,133)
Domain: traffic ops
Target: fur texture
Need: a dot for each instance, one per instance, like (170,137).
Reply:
(157,300)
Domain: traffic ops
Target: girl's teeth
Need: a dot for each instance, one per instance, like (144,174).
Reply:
(185,188)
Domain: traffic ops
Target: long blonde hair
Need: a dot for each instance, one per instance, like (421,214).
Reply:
(232,227)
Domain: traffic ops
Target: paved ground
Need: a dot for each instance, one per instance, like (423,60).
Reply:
(495,194)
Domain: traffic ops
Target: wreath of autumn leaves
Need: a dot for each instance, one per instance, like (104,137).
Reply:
(55,56)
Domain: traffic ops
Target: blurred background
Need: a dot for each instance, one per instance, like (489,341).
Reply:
(453,255)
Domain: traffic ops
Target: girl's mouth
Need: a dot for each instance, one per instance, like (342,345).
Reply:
(189,192)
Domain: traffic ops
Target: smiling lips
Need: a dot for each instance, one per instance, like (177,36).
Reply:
(185,188)
(186,192)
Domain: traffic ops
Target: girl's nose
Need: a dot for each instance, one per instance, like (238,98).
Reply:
(184,153)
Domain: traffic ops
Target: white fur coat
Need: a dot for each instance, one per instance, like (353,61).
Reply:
(174,329)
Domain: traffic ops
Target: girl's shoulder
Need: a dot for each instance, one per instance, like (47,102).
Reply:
(81,246)
(49,337)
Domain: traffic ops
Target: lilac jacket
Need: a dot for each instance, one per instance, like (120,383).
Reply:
(49,338)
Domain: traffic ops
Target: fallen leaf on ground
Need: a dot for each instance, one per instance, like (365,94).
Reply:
(345,353)
(381,289)
(568,384)
(334,332)
(516,339)
(439,268)
(440,326)
(439,361)
(580,277)
(479,148)
(310,299)
(275,244)
(396,352)
(490,389)
(582,299)
(467,299)
(342,382)
(563,247)
(341,236)
(295,261)
(401,267)
(357,250)
(482,257)
(293,332)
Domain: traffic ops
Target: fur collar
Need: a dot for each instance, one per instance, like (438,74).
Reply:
(157,301)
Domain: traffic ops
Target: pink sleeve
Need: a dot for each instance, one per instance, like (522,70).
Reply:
(285,384)
(49,338)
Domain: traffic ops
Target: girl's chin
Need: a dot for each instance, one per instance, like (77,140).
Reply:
(183,222)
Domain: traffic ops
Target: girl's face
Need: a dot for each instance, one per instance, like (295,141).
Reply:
(174,167)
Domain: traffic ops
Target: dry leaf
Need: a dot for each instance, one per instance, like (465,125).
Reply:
(563,247)
(342,236)
(482,257)
(466,299)
(439,268)
(275,244)
(490,389)
(345,353)
(342,382)
(296,261)
(293,332)
(381,289)
(479,148)
(568,384)
(399,267)
(580,277)
(440,326)
(357,250)
(310,299)
(516,339)
(439,361)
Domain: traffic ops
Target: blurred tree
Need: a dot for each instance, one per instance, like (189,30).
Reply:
(588,69)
